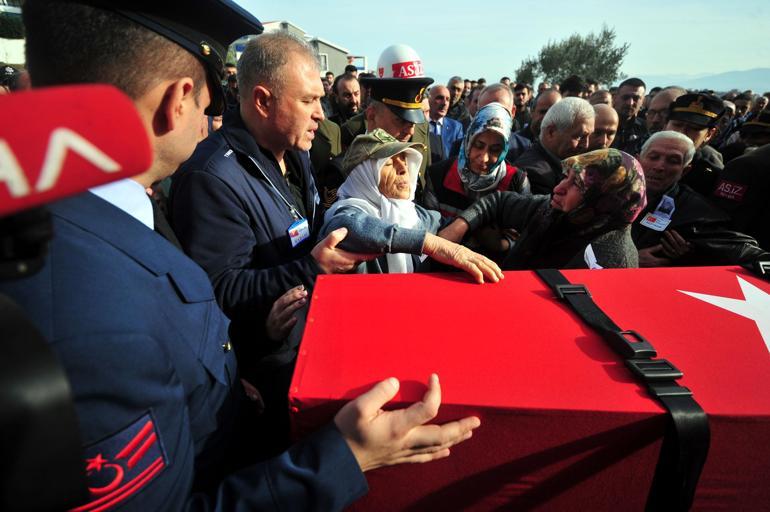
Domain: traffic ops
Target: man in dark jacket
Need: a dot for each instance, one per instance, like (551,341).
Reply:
(743,190)
(245,208)
(457,109)
(133,320)
(627,103)
(679,227)
(564,132)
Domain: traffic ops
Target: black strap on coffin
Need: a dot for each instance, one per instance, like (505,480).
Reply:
(686,441)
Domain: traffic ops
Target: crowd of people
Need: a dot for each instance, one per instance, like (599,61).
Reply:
(187,286)
(696,151)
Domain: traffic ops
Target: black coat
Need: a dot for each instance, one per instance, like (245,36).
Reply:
(547,239)
(233,224)
(704,226)
(704,171)
(543,169)
(743,191)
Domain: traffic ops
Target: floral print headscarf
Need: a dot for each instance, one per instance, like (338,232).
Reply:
(613,187)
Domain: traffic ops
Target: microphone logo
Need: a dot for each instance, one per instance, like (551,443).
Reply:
(61,142)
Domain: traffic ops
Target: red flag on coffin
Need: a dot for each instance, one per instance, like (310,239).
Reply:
(563,420)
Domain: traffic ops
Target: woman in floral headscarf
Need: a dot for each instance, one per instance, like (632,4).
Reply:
(585,223)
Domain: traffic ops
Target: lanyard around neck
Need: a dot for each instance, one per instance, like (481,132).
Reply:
(292,209)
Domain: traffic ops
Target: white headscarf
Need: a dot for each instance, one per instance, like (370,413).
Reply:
(361,189)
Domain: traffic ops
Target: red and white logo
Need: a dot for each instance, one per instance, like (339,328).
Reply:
(65,140)
(121,465)
(729,190)
(410,69)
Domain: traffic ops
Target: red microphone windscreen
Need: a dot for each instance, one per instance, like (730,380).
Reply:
(58,141)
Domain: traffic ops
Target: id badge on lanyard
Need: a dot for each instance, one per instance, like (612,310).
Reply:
(661,217)
(299,231)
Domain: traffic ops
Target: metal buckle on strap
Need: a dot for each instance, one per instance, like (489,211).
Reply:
(654,370)
(630,344)
(668,389)
(571,289)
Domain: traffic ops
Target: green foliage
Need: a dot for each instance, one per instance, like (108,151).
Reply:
(527,72)
(592,56)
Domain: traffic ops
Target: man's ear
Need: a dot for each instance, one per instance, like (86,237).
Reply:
(549,131)
(710,134)
(176,99)
(369,114)
(262,99)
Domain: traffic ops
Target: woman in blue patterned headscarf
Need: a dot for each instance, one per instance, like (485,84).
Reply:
(480,167)
(478,170)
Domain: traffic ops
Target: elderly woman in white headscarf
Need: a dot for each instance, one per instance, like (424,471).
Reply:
(375,204)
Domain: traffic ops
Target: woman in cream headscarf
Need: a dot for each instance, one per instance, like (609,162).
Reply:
(375,204)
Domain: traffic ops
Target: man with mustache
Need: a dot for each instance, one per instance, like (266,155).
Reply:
(627,102)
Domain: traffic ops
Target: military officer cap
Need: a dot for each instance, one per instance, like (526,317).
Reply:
(758,125)
(400,82)
(205,28)
(697,108)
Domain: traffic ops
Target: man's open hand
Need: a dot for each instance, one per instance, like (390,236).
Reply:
(383,438)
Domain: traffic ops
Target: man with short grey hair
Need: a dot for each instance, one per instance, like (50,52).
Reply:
(679,227)
(499,93)
(522,140)
(564,132)
(457,110)
(246,209)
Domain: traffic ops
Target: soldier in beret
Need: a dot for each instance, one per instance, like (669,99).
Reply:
(697,116)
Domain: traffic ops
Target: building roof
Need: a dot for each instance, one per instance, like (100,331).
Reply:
(329,43)
(272,26)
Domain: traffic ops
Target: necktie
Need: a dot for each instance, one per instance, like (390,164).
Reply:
(162,227)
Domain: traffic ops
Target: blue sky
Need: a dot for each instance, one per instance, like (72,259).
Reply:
(490,38)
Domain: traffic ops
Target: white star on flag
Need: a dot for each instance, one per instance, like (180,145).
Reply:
(755,306)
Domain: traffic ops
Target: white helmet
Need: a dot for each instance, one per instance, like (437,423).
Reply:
(400,82)
(400,61)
